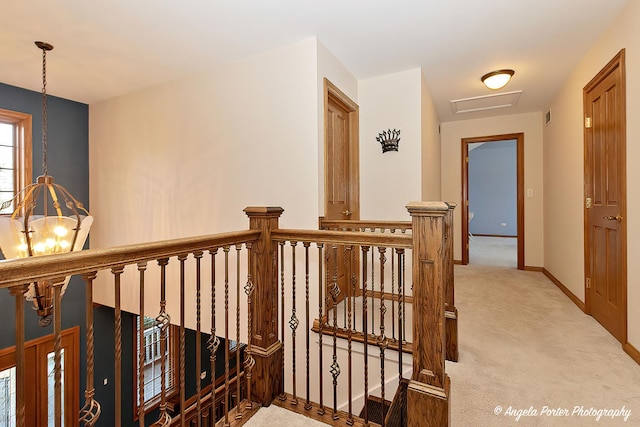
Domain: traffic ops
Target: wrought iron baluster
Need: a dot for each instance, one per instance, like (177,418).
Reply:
(373,288)
(393,306)
(350,295)
(182,258)
(283,396)
(198,258)
(365,329)
(321,285)
(401,297)
(18,293)
(91,410)
(214,341)
(249,361)
(239,411)
(293,321)
(57,348)
(335,367)
(117,273)
(382,339)
(142,267)
(226,336)
(163,320)
(306,245)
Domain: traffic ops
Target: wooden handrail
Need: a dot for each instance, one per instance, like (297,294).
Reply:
(27,270)
(325,224)
(356,238)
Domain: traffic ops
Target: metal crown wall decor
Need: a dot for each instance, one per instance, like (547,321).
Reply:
(389,140)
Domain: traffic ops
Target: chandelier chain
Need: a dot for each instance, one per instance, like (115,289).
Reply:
(44,112)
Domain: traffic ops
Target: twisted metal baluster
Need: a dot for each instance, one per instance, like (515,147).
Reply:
(322,284)
(400,253)
(226,336)
(383,342)
(117,272)
(373,288)
(283,396)
(306,245)
(393,306)
(142,267)
(182,258)
(293,322)
(162,321)
(214,342)
(365,330)
(90,412)
(198,257)
(249,361)
(350,296)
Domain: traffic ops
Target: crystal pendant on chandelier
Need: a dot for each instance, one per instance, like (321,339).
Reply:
(47,220)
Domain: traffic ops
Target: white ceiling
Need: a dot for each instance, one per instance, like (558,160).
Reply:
(108,48)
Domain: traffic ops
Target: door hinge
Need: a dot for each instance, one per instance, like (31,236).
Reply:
(588,203)
(587,122)
(588,283)
(466,159)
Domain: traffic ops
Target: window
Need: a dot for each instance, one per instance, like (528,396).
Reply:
(15,155)
(151,349)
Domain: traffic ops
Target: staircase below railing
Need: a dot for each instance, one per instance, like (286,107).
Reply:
(265,287)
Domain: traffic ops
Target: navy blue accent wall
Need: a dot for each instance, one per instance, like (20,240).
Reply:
(105,366)
(493,188)
(68,162)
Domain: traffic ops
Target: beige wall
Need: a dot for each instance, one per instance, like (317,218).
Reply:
(531,125)
(431,179)
(564,171)
(389,180)
(185,158)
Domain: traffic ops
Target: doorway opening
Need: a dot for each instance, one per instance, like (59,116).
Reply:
(489,200)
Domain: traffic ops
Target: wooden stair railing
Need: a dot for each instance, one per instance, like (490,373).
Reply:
(267,299)
(403,227)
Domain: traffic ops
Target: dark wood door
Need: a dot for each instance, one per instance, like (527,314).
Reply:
(342,198)
(605,177)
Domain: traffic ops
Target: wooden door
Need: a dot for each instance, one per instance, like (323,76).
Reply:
(519,137)
(39,377)
(605,193)
(341,189)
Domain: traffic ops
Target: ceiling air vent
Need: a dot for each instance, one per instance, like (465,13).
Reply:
(486,102)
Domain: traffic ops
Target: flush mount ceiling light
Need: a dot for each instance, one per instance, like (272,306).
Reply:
(497,79)
(47,220)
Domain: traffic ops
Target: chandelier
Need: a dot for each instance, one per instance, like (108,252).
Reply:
(46,220)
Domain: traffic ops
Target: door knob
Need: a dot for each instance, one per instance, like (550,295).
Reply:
(611,218)
(347,212)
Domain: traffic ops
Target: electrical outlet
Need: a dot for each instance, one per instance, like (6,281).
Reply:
(503,224)
(530,192)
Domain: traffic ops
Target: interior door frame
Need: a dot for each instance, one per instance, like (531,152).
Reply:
(331,91)
(617,62)
(519,137)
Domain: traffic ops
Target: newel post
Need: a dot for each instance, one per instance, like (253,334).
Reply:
(428,391)
(451,312)
(267,379)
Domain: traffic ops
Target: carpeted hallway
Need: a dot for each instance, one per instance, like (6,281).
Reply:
(525,347)
(524,344)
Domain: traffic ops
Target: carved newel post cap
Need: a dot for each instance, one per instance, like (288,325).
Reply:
(427,208)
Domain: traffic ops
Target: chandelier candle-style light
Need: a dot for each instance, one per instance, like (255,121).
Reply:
(47,219)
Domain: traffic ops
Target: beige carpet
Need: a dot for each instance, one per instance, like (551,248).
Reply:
(525,346)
